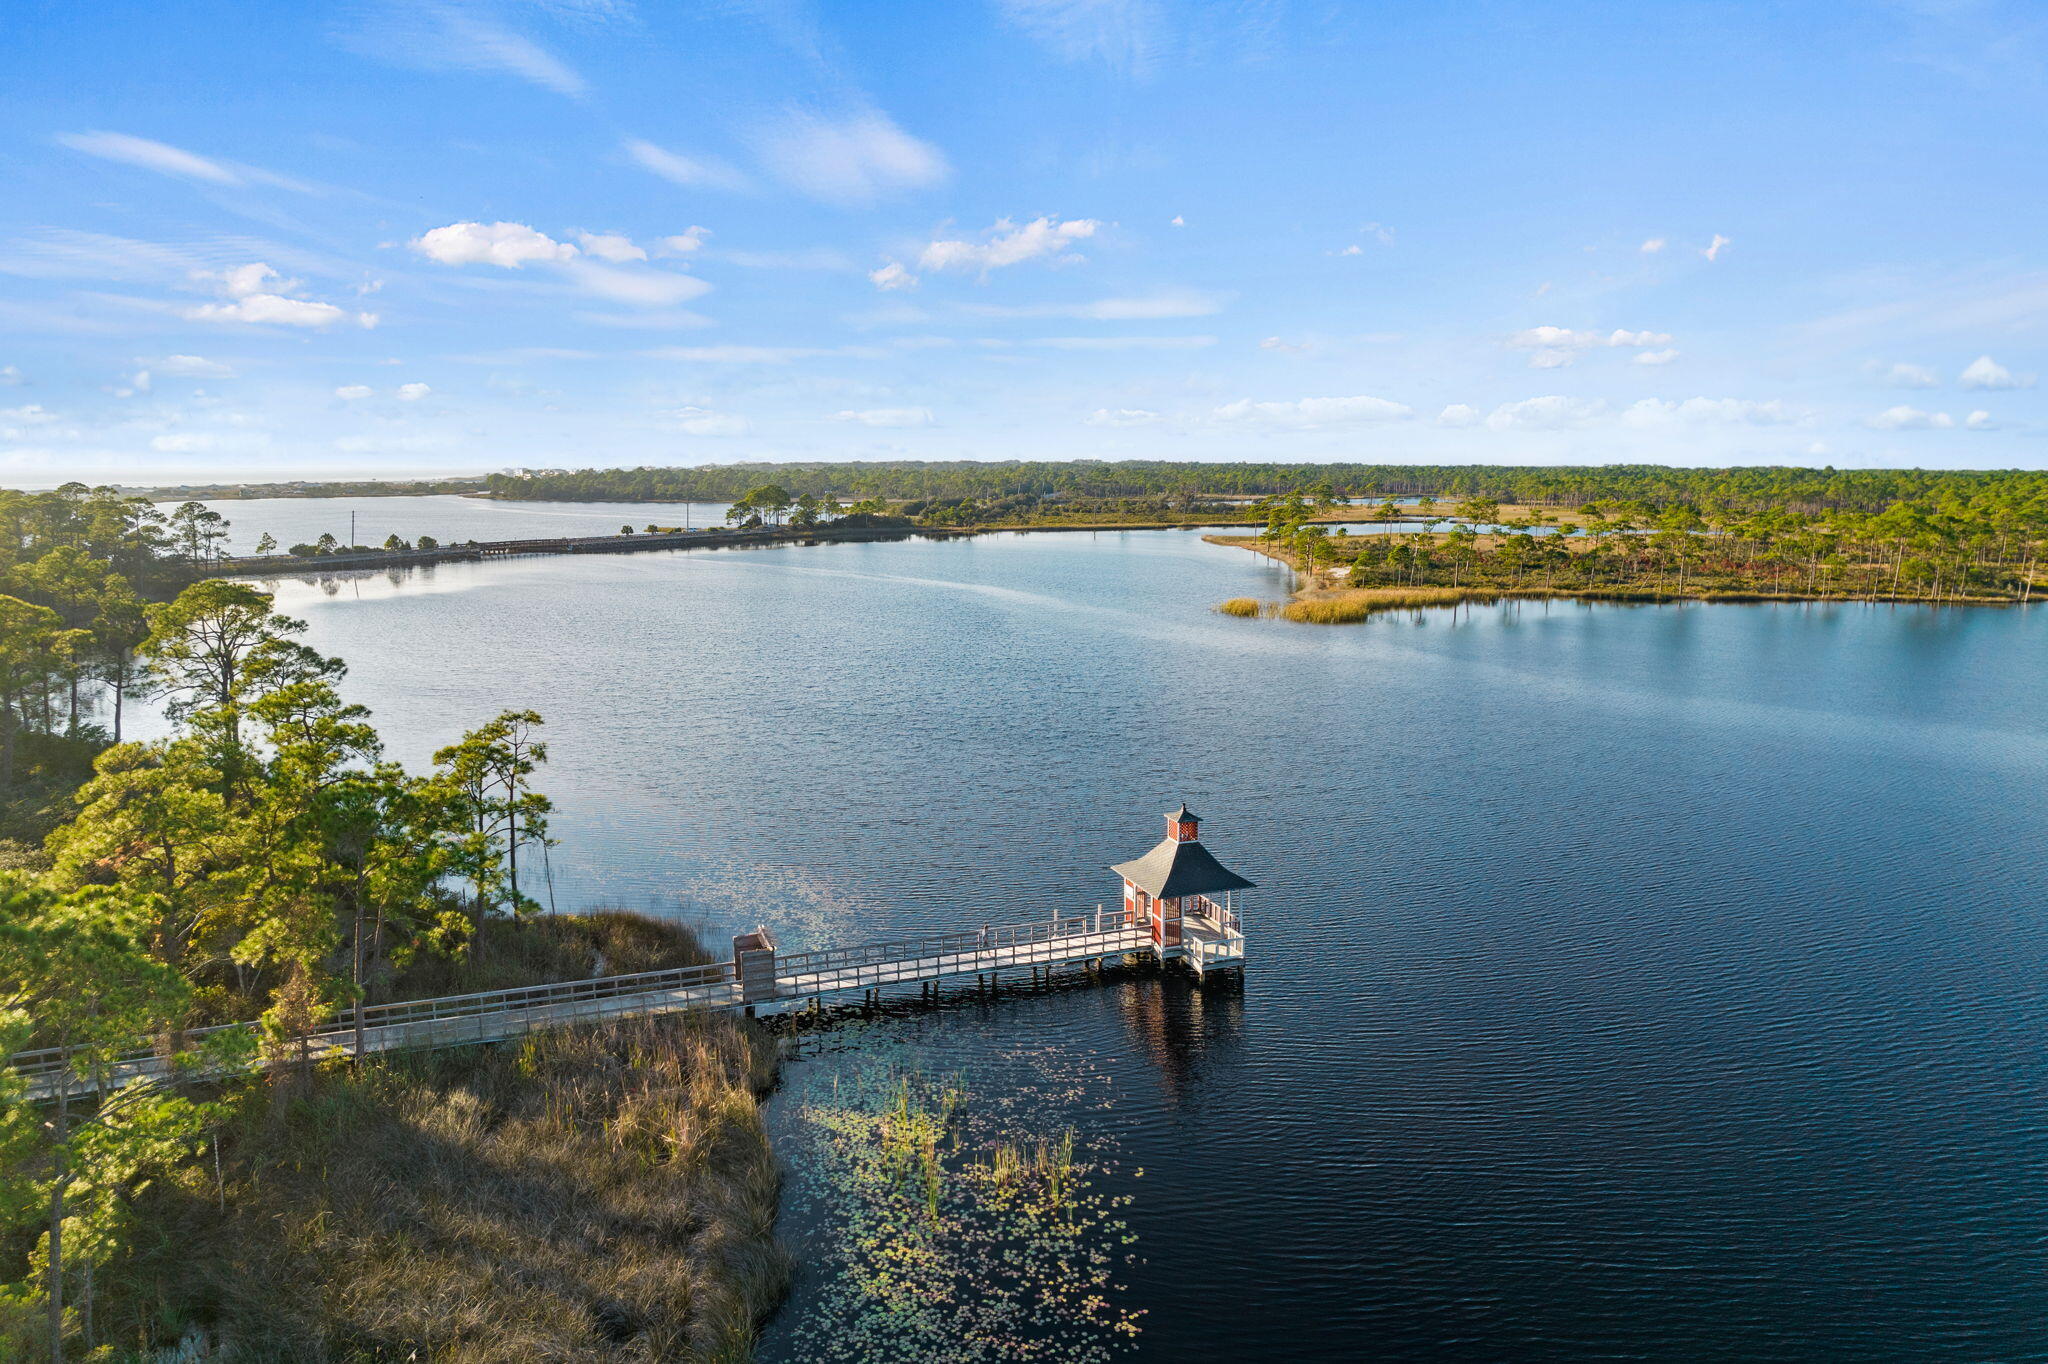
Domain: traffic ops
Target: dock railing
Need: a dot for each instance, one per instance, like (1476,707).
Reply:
(488,1015)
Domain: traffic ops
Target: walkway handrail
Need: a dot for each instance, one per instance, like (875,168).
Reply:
(821,972)
(46,1061)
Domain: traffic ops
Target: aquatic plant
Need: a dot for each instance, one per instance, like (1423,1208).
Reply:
(1240,606)
(946,1243)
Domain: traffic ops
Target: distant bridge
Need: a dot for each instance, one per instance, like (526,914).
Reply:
(758,980)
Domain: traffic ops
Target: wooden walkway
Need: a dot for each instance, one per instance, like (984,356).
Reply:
(775,984)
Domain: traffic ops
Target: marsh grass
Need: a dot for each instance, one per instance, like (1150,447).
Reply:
(1349,605)
(604,1193)
(1240,606)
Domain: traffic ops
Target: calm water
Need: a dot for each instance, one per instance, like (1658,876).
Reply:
(1647,982)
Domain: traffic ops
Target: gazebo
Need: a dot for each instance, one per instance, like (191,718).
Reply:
(1185,897)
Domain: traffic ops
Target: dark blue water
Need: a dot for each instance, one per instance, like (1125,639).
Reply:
(1625,982)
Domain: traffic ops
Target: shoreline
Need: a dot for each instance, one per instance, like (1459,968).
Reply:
(1337,603)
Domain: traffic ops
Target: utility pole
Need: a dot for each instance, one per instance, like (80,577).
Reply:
(351,530)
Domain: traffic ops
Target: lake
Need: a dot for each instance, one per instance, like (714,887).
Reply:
(1629,982)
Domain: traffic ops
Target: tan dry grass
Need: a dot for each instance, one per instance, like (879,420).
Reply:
(1348,605)
(596,1194)
(1240,606)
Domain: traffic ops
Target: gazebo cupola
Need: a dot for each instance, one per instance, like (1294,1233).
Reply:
(1184,897)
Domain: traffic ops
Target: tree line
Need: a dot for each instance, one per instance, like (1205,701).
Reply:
(1051,482)
(1953,547)
(264,860)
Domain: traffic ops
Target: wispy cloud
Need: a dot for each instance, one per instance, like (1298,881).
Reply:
(853,160)
(160,157)
(439,35)
(1146,307)
(887,416)
(1311,414)
(1123,342)
(692,172)
(744,355)
(1124,35)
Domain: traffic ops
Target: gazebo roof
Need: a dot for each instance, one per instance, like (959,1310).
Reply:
(1174,869)
(1183,813)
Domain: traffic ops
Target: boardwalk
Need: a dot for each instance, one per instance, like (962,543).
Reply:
(760,982)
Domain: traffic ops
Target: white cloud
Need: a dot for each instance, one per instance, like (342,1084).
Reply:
(892,276)
(1549,413)
(691,171)
(1656,412)
(1904,375)
(354,391)
(1178,221)
(1352,250)
(1713,249)
(1903,418)
(181,444)
(412,393)
(137,383)
(10,377)
(1009,244)
(1309,414)
(508,245)
(887,416)
(1980,420)
(1123,416)
(156,156)
(685,242)
(1652,246)
(1458,414)
(643,288)
(34,414)
(193,367)
(1985,372)
(1276,343)
(275,310)
(853,160)
(611,246)
(1654,357)
(253,302)
(702,421)
(1556,347)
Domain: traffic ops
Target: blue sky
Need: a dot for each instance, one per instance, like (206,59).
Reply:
(242,240)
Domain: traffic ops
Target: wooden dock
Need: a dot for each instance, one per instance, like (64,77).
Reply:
(757,981)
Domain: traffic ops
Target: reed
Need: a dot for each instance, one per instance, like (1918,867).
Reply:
(1240,606)
(1351,605)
